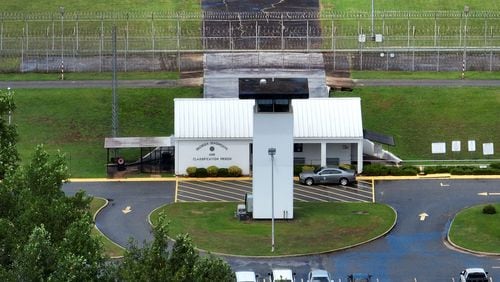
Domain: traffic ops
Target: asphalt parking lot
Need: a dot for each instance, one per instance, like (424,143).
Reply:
(235,190)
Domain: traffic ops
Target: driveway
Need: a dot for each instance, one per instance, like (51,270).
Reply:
(415,250)
(141,197)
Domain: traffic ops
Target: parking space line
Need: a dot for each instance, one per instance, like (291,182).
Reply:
(223,192)
(204,196)
(345,191)
(308,191)
(307,196)
(218,196)
(185,196)
(229,187)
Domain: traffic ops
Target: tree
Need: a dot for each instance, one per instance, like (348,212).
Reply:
(53,230)
(212,268)
(153,262)
(8,135)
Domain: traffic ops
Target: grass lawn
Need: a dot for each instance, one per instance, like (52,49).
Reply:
(476,231)
(453,75)
(418,116)
(100,6)
(110,248)
(76,121)
(317,227)
(34,76)
(417,5)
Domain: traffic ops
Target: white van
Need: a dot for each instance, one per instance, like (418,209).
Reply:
(282,275)
(246,276)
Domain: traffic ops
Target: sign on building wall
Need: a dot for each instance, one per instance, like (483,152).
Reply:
(205,153)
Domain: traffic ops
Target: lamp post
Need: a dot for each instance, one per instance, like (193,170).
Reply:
(272,152)
(464,57)
(373,21)
(9,93)
(61,9)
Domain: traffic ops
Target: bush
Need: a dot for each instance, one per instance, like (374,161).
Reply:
(201,172)
(212,171)
(436,169)
(234,171)
(495,165)
(375,170)
(489,209)
(191,171)
(223,172)
(307,168)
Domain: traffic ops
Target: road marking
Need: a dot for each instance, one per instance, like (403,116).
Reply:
(488,194)
(127,210)
(444,184)
(423,216)
(495,267)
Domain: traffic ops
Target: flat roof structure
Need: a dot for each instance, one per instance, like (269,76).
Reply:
(273,88)
(137,142)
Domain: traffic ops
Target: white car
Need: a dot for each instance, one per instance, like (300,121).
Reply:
(474,275)
(246,276)
(318,275)
(282,275)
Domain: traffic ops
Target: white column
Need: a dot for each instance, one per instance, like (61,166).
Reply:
(323,154)
(360,156)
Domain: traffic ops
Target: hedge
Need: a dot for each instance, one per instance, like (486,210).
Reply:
(213,171)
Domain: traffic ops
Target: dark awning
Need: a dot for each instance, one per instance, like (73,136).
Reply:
(378,137)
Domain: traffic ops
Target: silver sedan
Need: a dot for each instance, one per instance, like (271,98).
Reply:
(325,175)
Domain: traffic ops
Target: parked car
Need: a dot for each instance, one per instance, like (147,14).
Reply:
(282,275)
(474,275)
(318,275)
(246,276)
(324,175)
(359,277)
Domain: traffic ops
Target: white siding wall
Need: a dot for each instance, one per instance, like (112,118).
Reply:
(273,130)
(204,153)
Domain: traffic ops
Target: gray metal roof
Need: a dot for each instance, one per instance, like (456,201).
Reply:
(137,142)
(315,118)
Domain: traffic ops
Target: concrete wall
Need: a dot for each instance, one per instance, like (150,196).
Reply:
(273,130)
(204,153)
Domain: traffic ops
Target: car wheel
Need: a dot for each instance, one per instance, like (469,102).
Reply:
(344,181)
(309,181)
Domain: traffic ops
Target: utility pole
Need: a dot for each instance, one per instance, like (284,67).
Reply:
(464,57)
(61,9)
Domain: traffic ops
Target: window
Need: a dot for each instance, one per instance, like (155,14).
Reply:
(273,105)
(298,147)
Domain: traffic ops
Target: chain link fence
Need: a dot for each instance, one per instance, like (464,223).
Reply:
(411,41)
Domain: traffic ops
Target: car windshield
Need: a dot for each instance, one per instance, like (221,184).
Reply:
(320,279)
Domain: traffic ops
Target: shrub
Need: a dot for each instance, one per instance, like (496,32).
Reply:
(223,172)
(201,172)
(375,170)
(234,171)
(489,209)
(191,171)
(212,171)
(307,168)
(495,165)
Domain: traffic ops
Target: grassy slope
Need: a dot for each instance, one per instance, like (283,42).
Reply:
(416,117)
(416,5)
(77,120)
(99,6)
(329,226)
(36,76)
(474,230)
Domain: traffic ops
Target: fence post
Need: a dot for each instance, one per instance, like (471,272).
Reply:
(101,45)
(53,33)
(307,35)
(413,51)
(47,51)
(282,31)
(256,35)
(1,35)
(27,33)
(178,44)
(77,33)
(438,49)
(126,43)
(153,37)
(22,52)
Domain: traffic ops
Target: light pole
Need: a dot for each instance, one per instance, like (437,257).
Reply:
(373,21)
(9,93)
(272,152)
(464,57)
(61,9)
